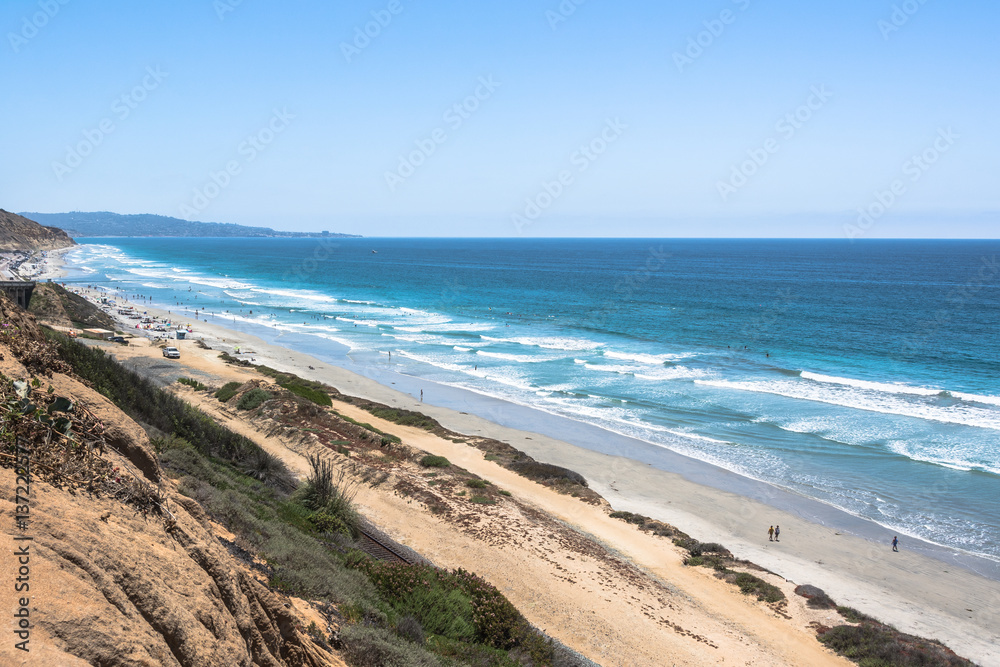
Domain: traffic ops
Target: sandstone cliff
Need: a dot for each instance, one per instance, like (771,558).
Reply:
(123,570)
(20,233)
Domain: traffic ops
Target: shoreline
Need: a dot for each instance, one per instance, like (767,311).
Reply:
(919,594)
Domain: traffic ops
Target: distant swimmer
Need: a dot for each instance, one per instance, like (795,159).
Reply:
(895,542)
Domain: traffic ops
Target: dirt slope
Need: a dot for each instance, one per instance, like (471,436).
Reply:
(19,233)
(111,586)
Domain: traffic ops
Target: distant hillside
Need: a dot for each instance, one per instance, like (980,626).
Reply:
(19,233)
(53,304)
(102,223)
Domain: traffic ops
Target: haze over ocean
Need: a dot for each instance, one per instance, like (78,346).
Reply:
(864,374)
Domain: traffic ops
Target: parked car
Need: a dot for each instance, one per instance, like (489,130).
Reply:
(171,353)
(119,339)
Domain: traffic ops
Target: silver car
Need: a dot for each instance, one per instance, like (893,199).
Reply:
(171,353)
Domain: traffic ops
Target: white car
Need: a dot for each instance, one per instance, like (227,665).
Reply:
(171,353)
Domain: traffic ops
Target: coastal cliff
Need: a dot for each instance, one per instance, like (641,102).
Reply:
(20,233)
(119,568)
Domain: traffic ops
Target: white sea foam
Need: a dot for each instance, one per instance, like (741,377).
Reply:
(549,343)
(655,374)
(654,359)
(519,358)
(307,295)
(696,436)
(950,457)
(874,386)
(898,388)
(865,399)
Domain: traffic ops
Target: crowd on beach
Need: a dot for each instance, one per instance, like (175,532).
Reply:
(24,264)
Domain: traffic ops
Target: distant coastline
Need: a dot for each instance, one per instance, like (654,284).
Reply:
(104,224)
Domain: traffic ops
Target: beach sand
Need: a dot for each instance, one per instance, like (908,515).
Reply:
(917,594)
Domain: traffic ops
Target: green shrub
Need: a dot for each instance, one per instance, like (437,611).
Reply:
(378,647)
(227,391)
(877,645)
(852,614)
(404,417)
(317,396)
(431,461)
(409,628)
(482,500)
(753,585)
(331,496)
(504,492)
(449,604)
(629,517)
(253,399)
(476,483)
(546,472)
(263,466)
(198,386)
(816,598)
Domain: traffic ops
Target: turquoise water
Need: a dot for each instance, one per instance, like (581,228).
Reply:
(865,375)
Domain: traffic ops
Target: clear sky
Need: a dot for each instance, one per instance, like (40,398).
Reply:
(585,118)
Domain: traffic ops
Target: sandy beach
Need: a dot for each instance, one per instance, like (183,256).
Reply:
(35,265)
(916,593)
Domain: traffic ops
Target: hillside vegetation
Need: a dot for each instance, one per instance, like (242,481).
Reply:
(53,304)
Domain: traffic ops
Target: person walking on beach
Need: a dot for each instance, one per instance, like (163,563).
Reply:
(770,534)
(895,541)
(777,531)
(421,395)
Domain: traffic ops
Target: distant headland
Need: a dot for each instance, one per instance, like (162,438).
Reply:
(105,224)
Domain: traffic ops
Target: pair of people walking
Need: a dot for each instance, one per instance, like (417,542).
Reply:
(772,533)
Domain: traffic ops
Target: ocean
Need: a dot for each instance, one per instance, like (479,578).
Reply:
(864,375)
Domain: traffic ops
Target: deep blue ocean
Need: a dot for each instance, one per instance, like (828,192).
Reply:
(865,375)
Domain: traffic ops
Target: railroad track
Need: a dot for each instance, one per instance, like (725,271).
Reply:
(379,550)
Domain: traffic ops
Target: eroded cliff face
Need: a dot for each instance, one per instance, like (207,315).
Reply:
(111,582)
(19,233)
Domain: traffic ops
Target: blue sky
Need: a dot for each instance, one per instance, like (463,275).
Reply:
(727,118)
